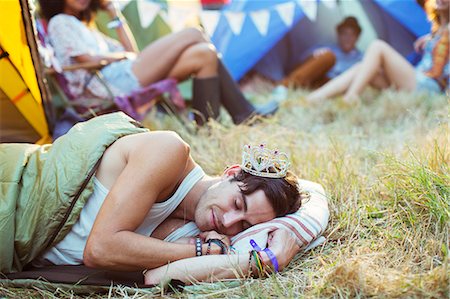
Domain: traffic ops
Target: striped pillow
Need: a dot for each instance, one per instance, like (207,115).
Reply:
(307,224)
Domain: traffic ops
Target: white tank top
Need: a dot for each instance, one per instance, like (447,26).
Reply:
(70,250)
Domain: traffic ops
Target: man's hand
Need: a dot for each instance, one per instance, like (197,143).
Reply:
(284,245)
(215,249)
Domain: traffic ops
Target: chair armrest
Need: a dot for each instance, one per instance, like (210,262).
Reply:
(84,65)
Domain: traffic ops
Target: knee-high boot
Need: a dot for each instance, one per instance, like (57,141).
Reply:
(232,98)
(234,101)
(206,99)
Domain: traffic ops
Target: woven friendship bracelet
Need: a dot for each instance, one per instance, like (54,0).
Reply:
(258,263)
(223,247)
(269,253)
(208,250)
(250,271)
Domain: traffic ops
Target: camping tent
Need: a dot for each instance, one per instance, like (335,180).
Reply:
(22,114)
(248,30)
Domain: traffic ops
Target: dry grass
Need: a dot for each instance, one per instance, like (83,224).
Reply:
(385,165)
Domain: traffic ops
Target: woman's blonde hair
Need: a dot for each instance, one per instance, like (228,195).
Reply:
(433,16)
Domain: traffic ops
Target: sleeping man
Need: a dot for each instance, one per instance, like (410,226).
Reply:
(111,194)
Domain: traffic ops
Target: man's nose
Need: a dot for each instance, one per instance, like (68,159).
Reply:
(230,218)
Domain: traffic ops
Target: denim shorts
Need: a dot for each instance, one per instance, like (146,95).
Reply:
(121,77)
(425,83)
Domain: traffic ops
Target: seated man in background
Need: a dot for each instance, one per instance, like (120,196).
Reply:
(326,63)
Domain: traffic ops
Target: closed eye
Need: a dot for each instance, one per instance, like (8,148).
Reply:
(236,204)
(245,225)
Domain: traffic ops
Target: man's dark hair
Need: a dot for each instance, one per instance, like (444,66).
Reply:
(50,8)
(283,193)
(349,22)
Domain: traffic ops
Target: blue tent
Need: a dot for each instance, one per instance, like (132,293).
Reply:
(398,22)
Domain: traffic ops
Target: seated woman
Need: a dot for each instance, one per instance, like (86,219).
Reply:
(178,55)
(383,67)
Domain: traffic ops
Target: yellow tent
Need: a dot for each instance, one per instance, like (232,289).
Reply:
(22,113)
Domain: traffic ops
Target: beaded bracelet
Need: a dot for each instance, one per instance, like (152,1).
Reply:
(198,246)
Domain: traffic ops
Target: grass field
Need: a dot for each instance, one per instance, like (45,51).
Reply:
(385,166)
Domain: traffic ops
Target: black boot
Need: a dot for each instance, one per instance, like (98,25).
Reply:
(232,98)
(206,99)
(234,101)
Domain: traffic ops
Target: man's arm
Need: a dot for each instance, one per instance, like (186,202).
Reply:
(219,267)
(155,164)
(203,268)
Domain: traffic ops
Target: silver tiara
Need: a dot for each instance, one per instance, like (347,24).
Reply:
(261,161)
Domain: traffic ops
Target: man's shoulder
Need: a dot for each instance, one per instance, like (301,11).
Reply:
(153,141)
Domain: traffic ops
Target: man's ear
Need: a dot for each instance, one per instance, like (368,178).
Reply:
(232,170)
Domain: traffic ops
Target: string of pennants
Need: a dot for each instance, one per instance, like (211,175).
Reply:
(261,17)
(179,13)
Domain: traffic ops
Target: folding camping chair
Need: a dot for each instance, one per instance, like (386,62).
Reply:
(137,104)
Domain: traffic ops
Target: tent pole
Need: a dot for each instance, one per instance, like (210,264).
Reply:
(30,30)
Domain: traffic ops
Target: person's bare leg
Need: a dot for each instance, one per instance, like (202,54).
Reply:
(335,86)
(380,81)
(159,58)
(200,60)
(396,69)
(311,70)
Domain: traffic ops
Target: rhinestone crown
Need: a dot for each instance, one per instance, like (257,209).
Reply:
(261,161)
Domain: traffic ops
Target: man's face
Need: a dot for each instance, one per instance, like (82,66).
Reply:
(347,38)
(226,210)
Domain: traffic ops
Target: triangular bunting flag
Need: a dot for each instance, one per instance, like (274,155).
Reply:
(177,18)
(210,19)
(147,12)
(235,20)
(261,20)
(163,14)
(329,3)
(122,3)
(286,12)
(309,7)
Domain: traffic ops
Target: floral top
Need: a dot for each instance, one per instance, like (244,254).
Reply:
(70,37)
(435,61)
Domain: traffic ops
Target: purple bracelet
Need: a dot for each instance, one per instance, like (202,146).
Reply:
(269,253)
(254,245)
(272,258)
